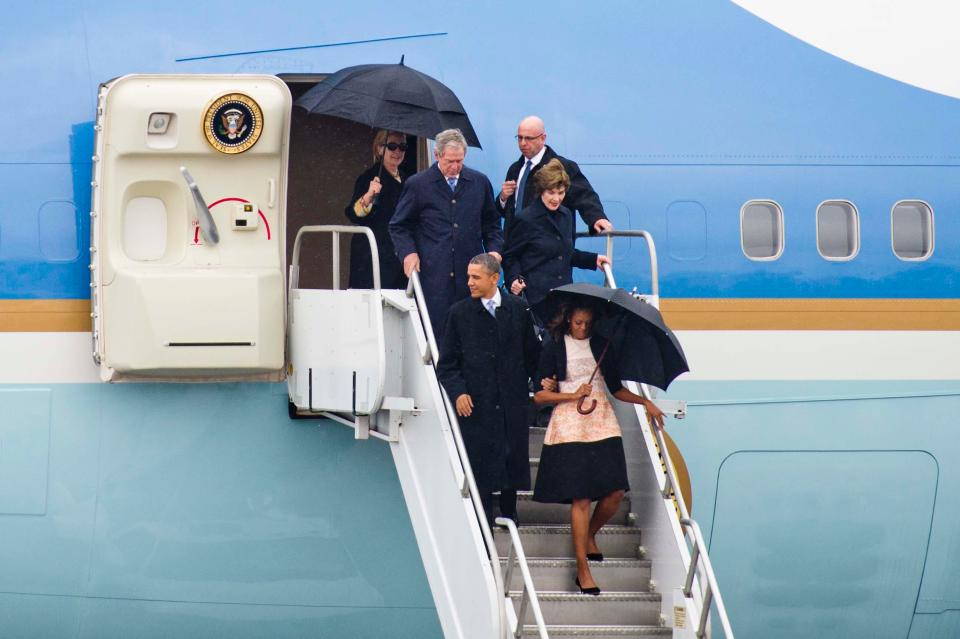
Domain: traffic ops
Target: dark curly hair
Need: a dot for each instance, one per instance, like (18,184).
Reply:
(560,324)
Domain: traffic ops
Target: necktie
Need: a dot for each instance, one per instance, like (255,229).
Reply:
(522,186)
(492,308)
(453,183)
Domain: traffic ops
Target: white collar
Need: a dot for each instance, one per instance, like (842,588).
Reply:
(496,299)
(535,160)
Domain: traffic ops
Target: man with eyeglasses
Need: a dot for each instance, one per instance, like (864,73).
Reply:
(519,187)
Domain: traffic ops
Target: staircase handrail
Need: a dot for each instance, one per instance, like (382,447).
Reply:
(700,564)
(468,485)
(651,251)
(529,595)
(335,230)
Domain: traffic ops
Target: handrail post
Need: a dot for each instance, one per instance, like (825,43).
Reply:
(335,253)
(705,613)
(528,587)
(508,575)
(692,570)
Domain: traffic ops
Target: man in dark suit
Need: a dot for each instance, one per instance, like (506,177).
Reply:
(445,216)
(489,352)
(532,139)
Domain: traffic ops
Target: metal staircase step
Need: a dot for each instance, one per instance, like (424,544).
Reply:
(614,608)
(534,467)
(557,575)
(531,512)
(537,434)
(616,542)
(600,632)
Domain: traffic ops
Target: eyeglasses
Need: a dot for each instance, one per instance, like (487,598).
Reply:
(528,138)
(393,146)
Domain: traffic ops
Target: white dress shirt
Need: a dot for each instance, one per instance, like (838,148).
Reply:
(534,161)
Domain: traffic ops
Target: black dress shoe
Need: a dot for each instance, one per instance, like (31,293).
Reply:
(587,591)
(595,556)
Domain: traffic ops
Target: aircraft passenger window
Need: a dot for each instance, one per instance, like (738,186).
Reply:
(761,230)
(911,230)
(57,229)
(838,230)
(145,229)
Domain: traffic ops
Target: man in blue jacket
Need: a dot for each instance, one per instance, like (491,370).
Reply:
(444,217)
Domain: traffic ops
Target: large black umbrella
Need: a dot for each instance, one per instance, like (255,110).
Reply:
(646,350)
(390,96)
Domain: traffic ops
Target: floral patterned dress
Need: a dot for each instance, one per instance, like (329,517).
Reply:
(582,454)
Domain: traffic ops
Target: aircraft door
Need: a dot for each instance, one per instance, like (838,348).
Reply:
(188,257)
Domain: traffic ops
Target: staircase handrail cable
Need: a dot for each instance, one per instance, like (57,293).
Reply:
(700,564)
(469,486)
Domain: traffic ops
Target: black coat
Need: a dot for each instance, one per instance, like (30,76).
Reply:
(540,248)
(491,360)
(580,198)
(391,271)
(553,362)
(446,229)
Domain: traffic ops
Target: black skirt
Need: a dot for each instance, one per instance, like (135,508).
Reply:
(581,470)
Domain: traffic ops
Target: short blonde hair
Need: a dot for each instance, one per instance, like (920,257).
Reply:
(380,139)
(552,176)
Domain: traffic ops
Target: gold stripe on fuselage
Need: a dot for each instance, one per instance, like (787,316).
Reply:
(681,314)
(45,316)
(812,314)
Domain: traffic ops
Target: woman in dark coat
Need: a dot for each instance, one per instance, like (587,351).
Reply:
(582,459)
(539,254)
(375,196)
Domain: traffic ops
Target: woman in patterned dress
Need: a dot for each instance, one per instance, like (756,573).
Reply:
(582,459)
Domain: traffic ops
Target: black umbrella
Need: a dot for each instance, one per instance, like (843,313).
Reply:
(646,350)
(390,96)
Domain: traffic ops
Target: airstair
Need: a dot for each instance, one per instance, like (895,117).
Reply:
(366,358)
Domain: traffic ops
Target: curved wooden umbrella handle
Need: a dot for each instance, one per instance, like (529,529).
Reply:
(586,411)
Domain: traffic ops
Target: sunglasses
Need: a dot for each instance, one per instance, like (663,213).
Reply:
(527,138)
(393,146)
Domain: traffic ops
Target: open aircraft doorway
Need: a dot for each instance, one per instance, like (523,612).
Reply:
(326,156)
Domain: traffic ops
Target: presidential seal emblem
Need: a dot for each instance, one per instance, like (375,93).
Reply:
(232,123)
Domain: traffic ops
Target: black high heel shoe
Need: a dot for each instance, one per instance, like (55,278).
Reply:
(595,556)
(587,591)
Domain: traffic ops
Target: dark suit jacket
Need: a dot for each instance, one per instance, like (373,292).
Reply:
(391,270)
(580,198)
(446,229)
(491,360)
(541,249)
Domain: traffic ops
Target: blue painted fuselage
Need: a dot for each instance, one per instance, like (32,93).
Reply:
(201,510)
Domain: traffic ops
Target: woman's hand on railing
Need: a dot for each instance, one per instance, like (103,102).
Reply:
(654,414)
(603,259)
(601,225)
